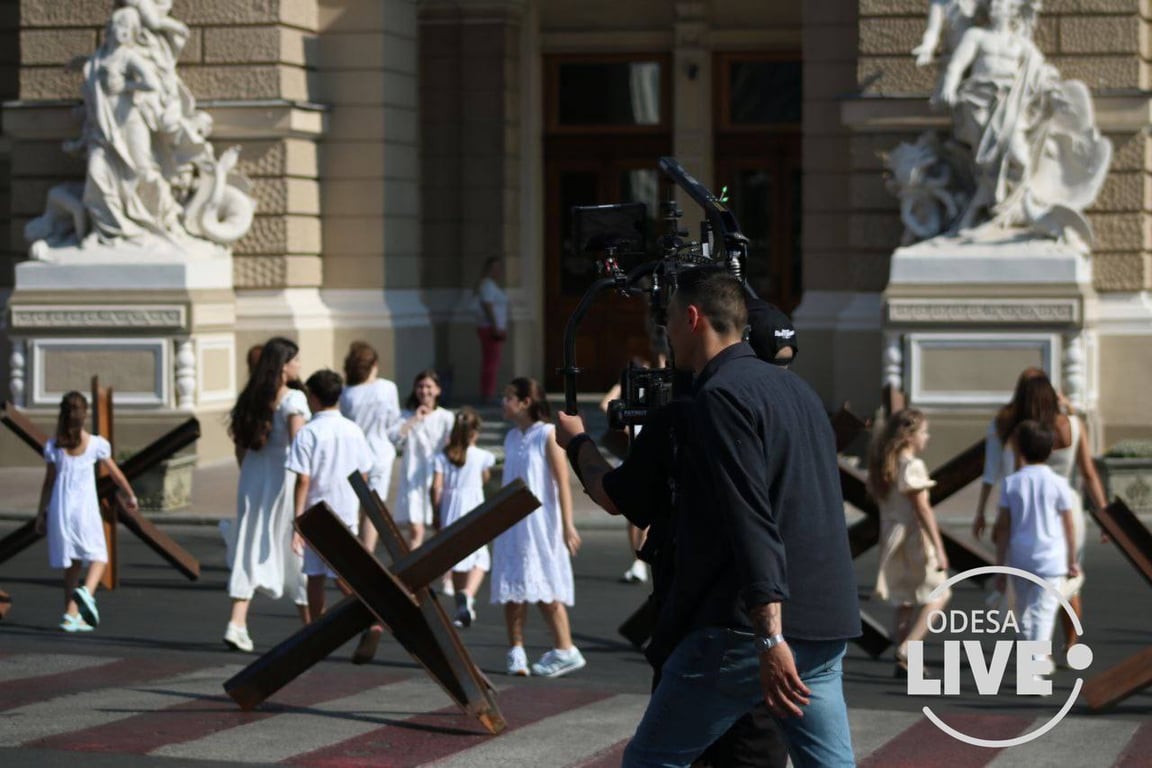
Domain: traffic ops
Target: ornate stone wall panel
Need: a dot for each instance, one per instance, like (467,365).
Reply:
(890,35)
(76,13)
(1120,231)
(1101,72)
(1100,34)
(1122,192)
(55,46)
(893,76)
(1121,271)
(259,271)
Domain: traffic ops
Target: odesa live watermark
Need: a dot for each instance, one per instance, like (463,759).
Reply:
(1032,657)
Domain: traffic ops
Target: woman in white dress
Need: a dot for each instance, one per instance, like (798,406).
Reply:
(374,404)
(421,434)
(69,511)
(531,561)
(461,471)
(266,417)
(1035,398)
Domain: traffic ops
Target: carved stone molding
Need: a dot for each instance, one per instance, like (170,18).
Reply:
(1012,311)
(154,316)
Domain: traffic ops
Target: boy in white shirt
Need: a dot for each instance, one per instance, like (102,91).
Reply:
(324,453)
(1034,531)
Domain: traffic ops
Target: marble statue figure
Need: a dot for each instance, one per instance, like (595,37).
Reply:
(152,175)
(1024,155)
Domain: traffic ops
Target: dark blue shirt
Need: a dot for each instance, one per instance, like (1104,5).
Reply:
(758,515)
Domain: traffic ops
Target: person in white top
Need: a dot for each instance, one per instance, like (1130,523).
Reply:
(491,324)
(531,561)
(1034,532)
(1035,398)
(374,404)
(461,471)
(264,421)
(325,452)
(69,511)
(421,434)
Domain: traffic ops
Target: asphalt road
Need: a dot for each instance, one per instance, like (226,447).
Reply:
(157,616)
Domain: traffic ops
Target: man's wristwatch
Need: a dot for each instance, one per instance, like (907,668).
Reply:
(763,643)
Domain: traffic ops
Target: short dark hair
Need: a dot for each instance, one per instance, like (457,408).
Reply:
(325,386)
(1034,441)
(719,296)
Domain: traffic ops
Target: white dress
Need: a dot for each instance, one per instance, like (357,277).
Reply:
(75,528)
(375,407)
(463,492)
(263,560)
(530,562)
(420,446)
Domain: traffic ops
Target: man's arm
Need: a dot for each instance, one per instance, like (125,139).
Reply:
(784,691)
(590,466)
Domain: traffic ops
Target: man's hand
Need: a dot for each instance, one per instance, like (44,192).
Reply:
(784,691)
(567,427)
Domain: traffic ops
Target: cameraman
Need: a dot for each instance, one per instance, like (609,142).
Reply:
(755,487)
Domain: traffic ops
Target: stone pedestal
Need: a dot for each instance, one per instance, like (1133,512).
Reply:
(159,331)
(963,318)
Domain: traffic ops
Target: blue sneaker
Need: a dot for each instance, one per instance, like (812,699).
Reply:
(74,624)
(87,605)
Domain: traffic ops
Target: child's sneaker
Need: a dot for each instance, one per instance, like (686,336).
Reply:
(87,605)
(237,638)
(555,663)
(465,611)
(74,624)
(518,662)
(637,574)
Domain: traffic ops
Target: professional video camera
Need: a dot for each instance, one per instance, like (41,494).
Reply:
(614,232)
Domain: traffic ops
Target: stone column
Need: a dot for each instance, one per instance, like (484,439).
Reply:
(474,72)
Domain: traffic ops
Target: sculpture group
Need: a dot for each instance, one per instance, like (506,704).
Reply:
(152,176)
(1024,156)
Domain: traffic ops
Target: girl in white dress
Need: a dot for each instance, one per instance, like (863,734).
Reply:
(374,404)
(69,511)
(531,560)
(912,558)
(421,434)
(266,417)
(461,471)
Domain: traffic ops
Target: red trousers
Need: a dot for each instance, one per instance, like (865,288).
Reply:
(490,347)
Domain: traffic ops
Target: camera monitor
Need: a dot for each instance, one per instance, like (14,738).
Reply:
(623,227)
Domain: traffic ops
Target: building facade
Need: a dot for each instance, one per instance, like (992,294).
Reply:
(394,146)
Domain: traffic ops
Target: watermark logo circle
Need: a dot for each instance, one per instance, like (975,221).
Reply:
(1081,660)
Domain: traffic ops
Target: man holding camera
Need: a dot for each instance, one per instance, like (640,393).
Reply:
(762,597)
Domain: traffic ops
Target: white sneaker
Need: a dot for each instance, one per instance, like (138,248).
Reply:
(465,611)
(637,574)
(555,663)
(74,624)
(87,606)
(517,662)
(237,638)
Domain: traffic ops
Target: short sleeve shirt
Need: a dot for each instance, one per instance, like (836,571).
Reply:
(1036,497)
(328,449)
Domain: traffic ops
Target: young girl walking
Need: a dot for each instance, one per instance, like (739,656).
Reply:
(69,511)
(458,480)
(266,417)
(421,433)
(531,560)
(912,558)
(374,404)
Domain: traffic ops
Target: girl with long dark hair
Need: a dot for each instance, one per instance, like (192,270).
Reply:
(266,417)
(421,433)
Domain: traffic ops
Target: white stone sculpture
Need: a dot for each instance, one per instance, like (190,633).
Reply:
(153,180)
(1025,157)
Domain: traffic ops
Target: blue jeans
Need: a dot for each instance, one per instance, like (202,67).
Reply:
(713,678)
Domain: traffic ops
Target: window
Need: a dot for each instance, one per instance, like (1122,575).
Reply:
(613,93)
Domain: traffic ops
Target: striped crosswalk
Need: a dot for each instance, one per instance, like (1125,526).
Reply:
(345,717)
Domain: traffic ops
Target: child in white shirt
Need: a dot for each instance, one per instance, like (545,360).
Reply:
(325,452)
(1034,531)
